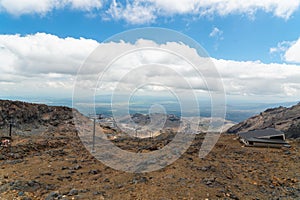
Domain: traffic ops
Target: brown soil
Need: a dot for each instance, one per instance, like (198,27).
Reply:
(59,167)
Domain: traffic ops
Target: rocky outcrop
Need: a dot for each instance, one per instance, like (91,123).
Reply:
(35,118)
(281,118)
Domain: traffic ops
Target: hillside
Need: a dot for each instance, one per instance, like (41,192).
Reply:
(31,119)
(281,118)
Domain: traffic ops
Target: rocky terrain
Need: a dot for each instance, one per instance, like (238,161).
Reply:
(281,118)
(52,163)
(31,119)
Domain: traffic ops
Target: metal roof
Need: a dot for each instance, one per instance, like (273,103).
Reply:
(260,134)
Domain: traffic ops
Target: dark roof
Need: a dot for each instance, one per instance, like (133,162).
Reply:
(265,133)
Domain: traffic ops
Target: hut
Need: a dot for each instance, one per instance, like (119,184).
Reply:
(269,137)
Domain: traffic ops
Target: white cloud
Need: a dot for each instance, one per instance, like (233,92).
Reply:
(292,54)
(216,32)
(256,78)
(43,53)
(33,63)
(152,9)
(85,5)
(44,63)
(279,8)
(146,11)
(21,7)
(281,48)
(135,13)
(289,51)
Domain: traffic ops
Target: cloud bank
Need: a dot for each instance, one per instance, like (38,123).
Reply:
(146,11)
(45,63)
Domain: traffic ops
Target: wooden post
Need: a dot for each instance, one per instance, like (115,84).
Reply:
(11,123)
(10,129)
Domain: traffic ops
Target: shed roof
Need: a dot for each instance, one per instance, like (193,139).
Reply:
(265,133)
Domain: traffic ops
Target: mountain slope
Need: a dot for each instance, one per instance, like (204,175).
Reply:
(30,118)
(281,118)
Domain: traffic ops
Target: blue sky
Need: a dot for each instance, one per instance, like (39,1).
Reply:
(264,34)
(243,37)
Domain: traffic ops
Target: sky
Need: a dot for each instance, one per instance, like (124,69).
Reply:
(254,45)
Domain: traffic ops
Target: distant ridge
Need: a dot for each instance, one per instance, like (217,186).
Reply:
(281,118)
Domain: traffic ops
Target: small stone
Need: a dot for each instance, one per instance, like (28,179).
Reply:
(106,180)
(107,187)
(32,183)
(50,187)
(94,171)
(204,169)
(99,193)
(71,172)
(208,183)
(77,167)
(2,157)
(17,156)
(61,178)
(26,198)
(233,196)
(73,192)
(21,193)
(52,196)
(46,173)
(140,180)
(64,193)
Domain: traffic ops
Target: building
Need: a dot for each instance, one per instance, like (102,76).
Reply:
(264,138)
